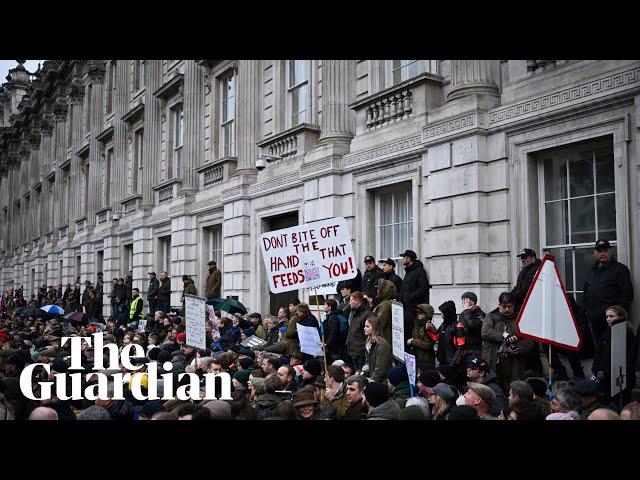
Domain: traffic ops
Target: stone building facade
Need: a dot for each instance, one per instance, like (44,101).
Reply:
(151,165)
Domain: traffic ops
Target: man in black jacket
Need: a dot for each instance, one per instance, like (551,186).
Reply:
(389,273)
(530,263)
(608,283)
(372,274)
(414,291)
(164,292)
(334,339)
(153,292)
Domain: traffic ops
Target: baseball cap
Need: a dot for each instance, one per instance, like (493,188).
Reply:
(478,364)
(368,259)
(526,252)
(409,253)
(389,261)
(602,245)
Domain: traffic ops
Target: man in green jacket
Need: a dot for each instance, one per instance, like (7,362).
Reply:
(213,282)
(355,337)
(291,335)
(424,335)
(335,396)
(386,293)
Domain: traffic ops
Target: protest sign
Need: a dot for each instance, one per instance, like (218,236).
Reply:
(410,362)
(324,289)
(310,341)
(309,255)
(546,315)
(142,324)
(253,342)
(618,357)
(194,308)
(397,330)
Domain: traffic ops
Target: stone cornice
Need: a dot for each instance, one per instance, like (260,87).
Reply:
(105,135)
(95,70)
(171,87)
(134,114)
(399,146)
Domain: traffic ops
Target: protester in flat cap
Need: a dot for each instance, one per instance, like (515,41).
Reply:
(213,284)
(389,273)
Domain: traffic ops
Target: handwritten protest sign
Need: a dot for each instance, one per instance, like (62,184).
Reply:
(308,255)
(410,362)
(397,330)
(324,289)
(310,341)
(194,308)
(142,324)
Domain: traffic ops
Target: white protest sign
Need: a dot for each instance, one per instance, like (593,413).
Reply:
(546,315)
(618,357)
(410,362)
(194,308)
(324,289)
(142,324)
(397,330)
(310,341)
(308,255)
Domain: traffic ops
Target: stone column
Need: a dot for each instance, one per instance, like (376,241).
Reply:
(338,120)
(248,114)
(193,150)
(75,203)
(46,157)
(120,140)
(95,71)
(59,117)
(468,77)
(152,132)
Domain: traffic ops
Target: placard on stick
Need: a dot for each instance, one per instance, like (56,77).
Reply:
(618,357)
(397,330)
(309,255)
(195,318)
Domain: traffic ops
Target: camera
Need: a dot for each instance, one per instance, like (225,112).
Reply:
(261,164)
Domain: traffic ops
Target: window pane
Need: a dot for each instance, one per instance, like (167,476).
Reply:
(583,221)
(386,242)
(581,175)
(403,239)
(584,261)
(605,181)
(396,237)
(556,217)
(386,209)
(606,216)
(400,207)
(555,178)
(564,262)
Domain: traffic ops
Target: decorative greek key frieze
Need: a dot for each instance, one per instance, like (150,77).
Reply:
(277,182)
(394,147)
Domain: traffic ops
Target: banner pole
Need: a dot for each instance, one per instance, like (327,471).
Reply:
(550,372)
(324,351)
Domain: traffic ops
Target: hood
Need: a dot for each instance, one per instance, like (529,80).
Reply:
(448,310)
(268,400)
(386,290)
(428,310)
(496,313)
(402,390)
(415,265)
(490,378)
(389,410)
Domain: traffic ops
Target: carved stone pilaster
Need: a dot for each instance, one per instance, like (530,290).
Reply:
(479,77)
(95,70)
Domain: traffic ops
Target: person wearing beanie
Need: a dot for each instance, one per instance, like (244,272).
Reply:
(310,371)
(447,333)
(379,404)
(503,348)
(468,335)
(426,381)
(306,318)
(481,398)
(239,402)
(413,412)
(399,385)
(378,356)
(424,335)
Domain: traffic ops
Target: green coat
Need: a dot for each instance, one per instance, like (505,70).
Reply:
(291,335)
(422,345)
(339,402)
(355,337)
(261,332)
(386,293)
(379,359)
(401,393)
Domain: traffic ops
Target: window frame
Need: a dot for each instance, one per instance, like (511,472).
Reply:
(137,166)
(229,74)
(594,145)
(175,163)
(407,188)
(306,83)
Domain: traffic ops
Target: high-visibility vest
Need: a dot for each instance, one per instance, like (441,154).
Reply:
(134,304)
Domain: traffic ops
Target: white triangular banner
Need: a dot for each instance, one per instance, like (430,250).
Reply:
(545,315)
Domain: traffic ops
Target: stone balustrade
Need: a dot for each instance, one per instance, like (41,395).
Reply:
(165,193)
(391,108)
